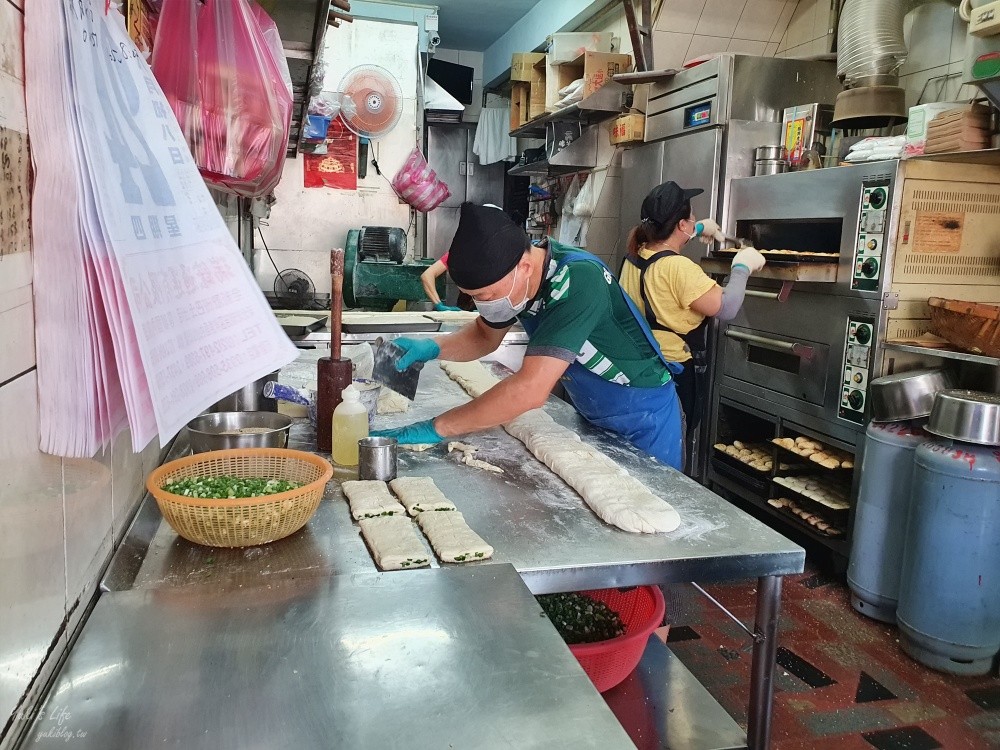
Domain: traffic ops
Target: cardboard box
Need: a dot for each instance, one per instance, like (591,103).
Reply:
(628,129)
(537,91)
(520,104)
(521,64)
(569,46)
(918,123)
(595,68)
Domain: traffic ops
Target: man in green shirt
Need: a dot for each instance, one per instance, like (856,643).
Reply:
(583,330)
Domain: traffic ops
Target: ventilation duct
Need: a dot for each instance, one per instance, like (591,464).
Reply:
(870,51)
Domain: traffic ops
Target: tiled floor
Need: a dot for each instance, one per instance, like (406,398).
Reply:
(842,680)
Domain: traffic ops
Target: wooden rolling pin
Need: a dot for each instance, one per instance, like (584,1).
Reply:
(334,373)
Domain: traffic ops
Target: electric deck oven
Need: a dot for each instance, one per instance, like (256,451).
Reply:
(853,255)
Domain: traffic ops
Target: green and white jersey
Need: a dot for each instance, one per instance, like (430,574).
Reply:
(580,314)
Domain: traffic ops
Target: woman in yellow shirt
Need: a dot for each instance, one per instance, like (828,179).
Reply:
(672,291)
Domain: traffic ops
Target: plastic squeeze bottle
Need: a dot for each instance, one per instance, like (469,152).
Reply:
(350,424)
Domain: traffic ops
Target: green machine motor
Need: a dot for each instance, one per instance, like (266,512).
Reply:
(375,274)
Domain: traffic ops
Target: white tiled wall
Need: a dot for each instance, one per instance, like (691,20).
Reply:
(687,29)
(809,31)
(59,518)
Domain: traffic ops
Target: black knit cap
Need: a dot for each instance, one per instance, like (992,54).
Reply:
(664,203)
(486,247)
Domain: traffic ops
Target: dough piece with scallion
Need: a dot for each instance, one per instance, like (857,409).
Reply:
(394,543)
(452,539)
(371,499)
(420,495)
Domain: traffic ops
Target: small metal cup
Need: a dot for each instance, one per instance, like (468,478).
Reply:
(377,458)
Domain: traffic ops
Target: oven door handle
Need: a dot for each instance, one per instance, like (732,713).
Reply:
(803,351)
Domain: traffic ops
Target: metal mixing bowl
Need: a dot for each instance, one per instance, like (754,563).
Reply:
(967,416)
(238,429)
(906,395)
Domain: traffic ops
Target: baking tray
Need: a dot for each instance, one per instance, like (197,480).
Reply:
(376,327)
(802,462)
(753,479)
(837,523)
(294,324)
(783,259)
(833,515)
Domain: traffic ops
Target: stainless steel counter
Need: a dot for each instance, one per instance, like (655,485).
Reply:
(534,520)
(458,658)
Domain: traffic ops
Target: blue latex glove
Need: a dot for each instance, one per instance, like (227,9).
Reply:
(416,350)
(442,307)
(418,433)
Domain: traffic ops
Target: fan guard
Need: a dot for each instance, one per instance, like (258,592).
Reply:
(372,101)
(293,287)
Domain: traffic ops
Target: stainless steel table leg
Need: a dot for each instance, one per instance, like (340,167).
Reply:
(762,669)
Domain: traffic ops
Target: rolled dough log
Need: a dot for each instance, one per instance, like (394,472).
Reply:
(616,497)
(420,494)
(394,543)
(371,499)
(452,539)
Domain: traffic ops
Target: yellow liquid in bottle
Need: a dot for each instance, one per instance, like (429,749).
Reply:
(348,429)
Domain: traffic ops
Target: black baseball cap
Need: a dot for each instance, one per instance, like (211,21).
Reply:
(664,202)
(486,247)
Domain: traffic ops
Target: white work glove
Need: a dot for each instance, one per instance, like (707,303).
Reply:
(750,259)
(708,231)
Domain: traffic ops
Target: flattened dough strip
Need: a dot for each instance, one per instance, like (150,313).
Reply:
(394,543)
(371,499)
(616,497)
(420,495)
(452,539)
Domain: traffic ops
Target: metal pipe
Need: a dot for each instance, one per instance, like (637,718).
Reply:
(800,350)
(765,651)
(870,43)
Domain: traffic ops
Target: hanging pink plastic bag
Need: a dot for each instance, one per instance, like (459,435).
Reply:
(418,184)
(221,66)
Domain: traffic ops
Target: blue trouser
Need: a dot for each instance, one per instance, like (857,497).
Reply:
(649,418)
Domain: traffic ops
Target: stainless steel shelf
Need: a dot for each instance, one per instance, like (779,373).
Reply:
(985,156)
(543,169)
(603,104)
(927,351)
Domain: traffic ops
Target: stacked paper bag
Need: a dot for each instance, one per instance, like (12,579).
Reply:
(146,312)
(965,129)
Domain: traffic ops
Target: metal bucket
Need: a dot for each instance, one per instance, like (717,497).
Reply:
(769,166)
(248,398)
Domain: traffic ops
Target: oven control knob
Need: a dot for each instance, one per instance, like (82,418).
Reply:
(872,244)
(863,334)
(856,400)
(870,268)
(877,198)
(858,377)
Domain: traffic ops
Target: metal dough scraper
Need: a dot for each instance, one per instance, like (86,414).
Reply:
(385,372)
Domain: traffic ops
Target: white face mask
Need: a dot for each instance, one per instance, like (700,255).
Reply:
(502,310)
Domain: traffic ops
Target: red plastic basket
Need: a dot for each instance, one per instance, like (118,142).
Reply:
(607,663)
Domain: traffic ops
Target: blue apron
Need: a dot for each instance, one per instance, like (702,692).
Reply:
(649,418)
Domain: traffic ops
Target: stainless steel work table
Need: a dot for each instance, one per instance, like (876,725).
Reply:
(532,518)
(459,658)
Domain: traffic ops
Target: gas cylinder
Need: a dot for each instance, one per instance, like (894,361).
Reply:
(879,532)
(949,592)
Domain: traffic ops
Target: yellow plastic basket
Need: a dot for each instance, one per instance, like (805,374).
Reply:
(242,522)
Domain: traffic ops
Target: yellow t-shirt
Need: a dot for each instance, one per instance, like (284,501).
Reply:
(672,284)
